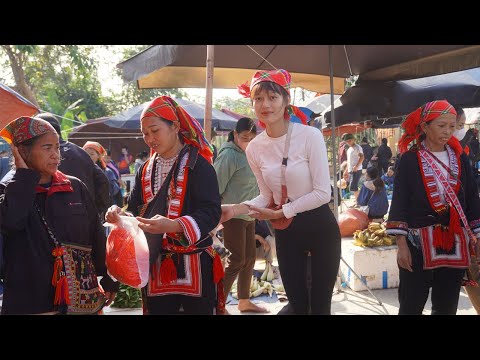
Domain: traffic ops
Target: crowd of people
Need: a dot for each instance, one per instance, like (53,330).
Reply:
(56,195)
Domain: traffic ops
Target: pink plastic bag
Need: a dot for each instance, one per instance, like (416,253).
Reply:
(127,257)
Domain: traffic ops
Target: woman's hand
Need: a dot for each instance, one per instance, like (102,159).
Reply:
(264,213)
(113,214)
(263,242)
(404,257)
(110,296)
(19,162)
(159,224)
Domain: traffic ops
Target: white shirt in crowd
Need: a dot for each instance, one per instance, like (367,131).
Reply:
(307,174)
(353,155)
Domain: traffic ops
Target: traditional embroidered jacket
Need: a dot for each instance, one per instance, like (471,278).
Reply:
(190,195)
(412,208)
(70,211)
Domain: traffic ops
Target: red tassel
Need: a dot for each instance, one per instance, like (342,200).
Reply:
(61,292)
(300,114)
(220,298)
(453,228)
(244,89)
(57,265)
(437,236)
(218,272)
(168,271)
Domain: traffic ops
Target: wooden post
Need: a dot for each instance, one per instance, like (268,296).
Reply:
(207,120)
(334,150)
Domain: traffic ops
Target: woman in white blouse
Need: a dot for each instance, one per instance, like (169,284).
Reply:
(313,227)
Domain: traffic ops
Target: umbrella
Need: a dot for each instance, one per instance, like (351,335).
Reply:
(319,103)
(124,128)
(130,119)
(170,66)
(373,100)
(347,128)
(111,138)
(163,66)
(13,105)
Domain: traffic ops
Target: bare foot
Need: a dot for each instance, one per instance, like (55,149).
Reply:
(248,306)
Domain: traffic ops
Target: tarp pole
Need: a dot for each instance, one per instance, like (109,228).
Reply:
(334,153)
(207,123)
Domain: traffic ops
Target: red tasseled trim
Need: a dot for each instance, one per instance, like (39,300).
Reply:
(61,292)
(218,272)
(220,299)
(454,227)
(437,236)
(57,265)
(424,180)
(244,89)
(300,114)
(168,271)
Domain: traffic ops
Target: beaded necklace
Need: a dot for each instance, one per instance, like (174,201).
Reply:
(162,168)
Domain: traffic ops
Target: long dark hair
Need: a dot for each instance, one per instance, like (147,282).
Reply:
(243,124)
(372,173)
(459,111)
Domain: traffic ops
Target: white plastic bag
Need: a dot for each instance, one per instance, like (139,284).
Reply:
(127,257)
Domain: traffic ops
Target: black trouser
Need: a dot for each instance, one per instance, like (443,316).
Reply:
(315,231)
(414,287)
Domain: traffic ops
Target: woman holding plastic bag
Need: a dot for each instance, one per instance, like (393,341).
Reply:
(177,202)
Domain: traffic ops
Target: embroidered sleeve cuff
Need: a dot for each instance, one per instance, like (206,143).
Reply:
(397,228)
(288,210)
(396,232)
(190,228)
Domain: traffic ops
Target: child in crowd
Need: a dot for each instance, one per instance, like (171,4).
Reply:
(388,178)
(374,195)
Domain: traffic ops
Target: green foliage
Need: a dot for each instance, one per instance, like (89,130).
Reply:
(128,297)
(240,106)
(28,49)
(60,75)
(132,96)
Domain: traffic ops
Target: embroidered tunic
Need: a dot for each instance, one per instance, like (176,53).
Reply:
(199,211)
(412,208)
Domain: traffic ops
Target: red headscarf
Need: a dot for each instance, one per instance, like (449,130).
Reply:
(428,112)
(25,128)
(191,130)
(98,148)
(280,77)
